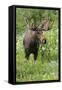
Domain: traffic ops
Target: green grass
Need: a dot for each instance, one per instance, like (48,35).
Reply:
(46,67)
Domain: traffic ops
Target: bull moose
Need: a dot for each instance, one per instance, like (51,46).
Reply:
(33,38)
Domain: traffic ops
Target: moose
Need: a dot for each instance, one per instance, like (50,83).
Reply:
(33,38)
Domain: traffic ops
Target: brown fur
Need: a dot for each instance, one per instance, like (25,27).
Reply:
(31,43)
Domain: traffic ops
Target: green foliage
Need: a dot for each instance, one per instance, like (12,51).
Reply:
(46,67)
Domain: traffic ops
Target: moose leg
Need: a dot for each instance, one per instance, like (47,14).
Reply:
(35,56)
(27,54)
(42,55)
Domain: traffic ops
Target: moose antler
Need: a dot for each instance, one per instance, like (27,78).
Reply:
(44,26)
(29,23)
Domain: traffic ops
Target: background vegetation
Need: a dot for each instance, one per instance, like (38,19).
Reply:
(46,67)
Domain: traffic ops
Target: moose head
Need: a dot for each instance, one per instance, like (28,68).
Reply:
(43,27)
(40,29)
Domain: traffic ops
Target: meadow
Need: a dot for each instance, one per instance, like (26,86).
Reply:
(46,67)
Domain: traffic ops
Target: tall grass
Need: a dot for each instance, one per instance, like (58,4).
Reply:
(46,67)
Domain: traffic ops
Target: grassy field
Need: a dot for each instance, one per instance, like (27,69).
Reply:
(46,67)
